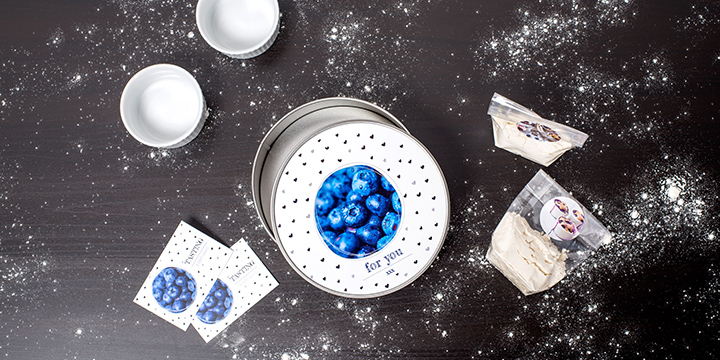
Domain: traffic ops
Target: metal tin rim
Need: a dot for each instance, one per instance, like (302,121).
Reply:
(412,278)
(286,123)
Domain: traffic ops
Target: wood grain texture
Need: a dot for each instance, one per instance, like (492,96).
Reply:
(86,210)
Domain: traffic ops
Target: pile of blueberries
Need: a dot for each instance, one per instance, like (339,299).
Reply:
(357,211)
(217,304)
(174,289)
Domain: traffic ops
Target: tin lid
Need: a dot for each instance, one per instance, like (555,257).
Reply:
(293,130)
(415,176)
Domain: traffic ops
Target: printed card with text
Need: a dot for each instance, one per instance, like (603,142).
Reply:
(183,275)
(242,283)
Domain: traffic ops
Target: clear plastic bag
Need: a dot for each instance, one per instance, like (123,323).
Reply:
(543,236)
(521,131)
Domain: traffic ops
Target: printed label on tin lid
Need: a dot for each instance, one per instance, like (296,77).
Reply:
(344,268)
(182,275)
(243,282)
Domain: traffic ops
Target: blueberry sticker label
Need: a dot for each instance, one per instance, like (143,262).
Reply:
(537,131)
(357,211)
(562,218)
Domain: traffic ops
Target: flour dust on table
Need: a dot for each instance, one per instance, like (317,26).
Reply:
(543,36)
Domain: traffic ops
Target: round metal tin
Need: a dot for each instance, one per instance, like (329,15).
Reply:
(316,140)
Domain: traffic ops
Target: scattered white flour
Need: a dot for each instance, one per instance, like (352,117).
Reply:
(370,51)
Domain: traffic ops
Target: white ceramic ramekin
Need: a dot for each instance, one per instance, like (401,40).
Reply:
(162,106)
(238,28)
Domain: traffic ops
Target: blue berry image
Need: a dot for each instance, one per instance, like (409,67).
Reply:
(336,218)
(220,294)
(186,295)
(395,199)
(181,281)
(207,317)
(219,312)
(378,204)
(354,196)
(375,221)
(340,186)
(365,250)
(324,202)
(209,302)
(369,234)
(178,306)
(217,304)
(166,301)
(158,295)
(390,223)
(365,210)
(365,182)
(386,185)
(354,214)
(329,236)
(169,274)
(174,289)
(159,282)
(347,244)
(323,223)
(384,241)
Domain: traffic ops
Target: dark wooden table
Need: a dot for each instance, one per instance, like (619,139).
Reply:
(86,209)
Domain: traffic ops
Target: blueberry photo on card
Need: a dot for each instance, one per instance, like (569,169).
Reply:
(174,289)
(217,304)
(355,208)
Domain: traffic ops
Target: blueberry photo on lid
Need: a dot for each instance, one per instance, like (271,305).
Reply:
(365,211)
(217,304)
(174,289)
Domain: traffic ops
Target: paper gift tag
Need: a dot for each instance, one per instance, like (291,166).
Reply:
(241,284)
(183,275)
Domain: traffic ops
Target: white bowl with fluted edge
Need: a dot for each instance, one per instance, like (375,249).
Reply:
(240,29)
(163,106)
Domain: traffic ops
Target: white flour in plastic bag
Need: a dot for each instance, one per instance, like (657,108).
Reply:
(543,236)
(521,131)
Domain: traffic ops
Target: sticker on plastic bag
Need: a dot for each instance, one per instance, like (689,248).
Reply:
(242,283)
(543,236)
(521,131)
(182,275)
